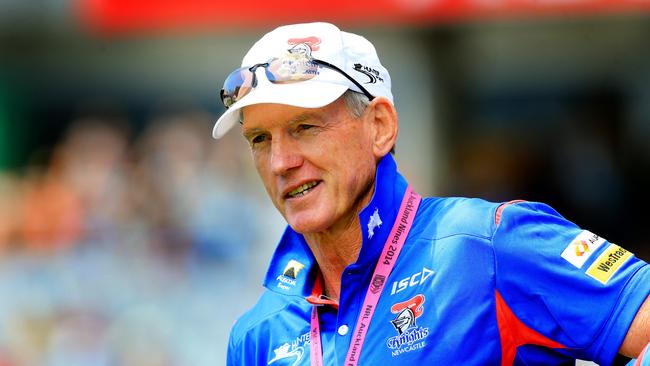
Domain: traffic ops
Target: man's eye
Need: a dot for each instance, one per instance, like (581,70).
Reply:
(258,139)
(304,127)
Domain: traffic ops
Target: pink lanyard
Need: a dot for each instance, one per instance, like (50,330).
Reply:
(385,264)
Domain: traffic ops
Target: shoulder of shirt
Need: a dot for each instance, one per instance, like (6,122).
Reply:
(267,307)
(444,217)
(440,218)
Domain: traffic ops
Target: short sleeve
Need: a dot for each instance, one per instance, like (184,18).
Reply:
(572,286)
(233,356)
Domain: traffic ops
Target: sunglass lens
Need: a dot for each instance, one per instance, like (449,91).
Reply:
(237,85)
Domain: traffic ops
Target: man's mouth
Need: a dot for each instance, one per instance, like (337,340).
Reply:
(302,190)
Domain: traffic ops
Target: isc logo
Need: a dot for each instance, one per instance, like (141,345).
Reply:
(413,280)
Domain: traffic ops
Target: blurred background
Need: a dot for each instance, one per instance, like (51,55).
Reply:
(129,237)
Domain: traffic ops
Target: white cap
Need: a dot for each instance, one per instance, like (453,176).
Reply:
(352,53)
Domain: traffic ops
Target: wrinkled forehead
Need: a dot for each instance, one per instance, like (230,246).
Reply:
(268,115)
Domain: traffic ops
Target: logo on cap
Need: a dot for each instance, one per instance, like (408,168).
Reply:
(371,73)
(312,42)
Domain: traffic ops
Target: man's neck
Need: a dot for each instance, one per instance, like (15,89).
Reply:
(334,252)
(337,247)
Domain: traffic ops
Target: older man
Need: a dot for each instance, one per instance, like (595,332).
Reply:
(368,273)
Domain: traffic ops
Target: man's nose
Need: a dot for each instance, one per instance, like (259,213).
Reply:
(285,155)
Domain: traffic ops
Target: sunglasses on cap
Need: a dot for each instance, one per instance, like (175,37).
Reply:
(292,68)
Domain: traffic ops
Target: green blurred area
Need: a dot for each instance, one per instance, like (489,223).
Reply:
(12,132)
(5,145)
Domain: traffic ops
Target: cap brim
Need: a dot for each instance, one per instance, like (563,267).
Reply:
(305,94)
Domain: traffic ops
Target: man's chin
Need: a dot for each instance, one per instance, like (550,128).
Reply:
(307,225)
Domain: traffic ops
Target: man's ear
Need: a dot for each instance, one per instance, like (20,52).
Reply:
(383,120)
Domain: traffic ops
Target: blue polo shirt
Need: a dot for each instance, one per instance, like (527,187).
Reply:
(477,283)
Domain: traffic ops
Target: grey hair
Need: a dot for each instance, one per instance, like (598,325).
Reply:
(356,102)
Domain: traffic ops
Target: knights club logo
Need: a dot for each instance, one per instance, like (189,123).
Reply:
(410,336)
(313,43)
(407,312)
(297,63)
(303,46)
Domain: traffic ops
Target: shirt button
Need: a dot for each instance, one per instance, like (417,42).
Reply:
(343,330)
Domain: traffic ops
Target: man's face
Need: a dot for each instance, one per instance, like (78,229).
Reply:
(317,165)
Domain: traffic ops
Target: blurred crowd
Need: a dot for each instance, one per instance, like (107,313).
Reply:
(139,245)
(125,249)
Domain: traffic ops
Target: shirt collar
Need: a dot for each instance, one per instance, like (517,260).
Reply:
(293,268)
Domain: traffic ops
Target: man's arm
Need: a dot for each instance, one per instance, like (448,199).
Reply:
(638,335)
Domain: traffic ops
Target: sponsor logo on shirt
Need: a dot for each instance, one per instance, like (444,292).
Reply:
(608,263)
(290,354)
(415,279)
(289,275)
(581,248)
(373,222)
(410,336)
(292,269)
